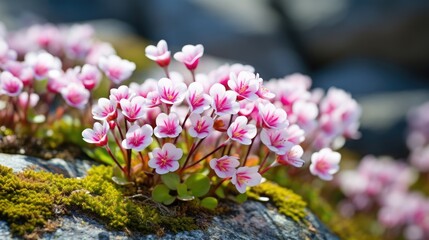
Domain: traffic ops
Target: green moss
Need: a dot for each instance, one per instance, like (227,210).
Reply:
(30,201)
(286,201)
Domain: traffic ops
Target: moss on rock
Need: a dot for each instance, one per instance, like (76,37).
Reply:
(287,202)
(30,201)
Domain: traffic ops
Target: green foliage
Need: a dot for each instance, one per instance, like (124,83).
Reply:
(171,180)
(209,202)
(30,200)
(198,184)
(286,201)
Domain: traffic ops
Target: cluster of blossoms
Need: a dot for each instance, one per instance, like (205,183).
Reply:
(42,62)
(383,184)
(225,124)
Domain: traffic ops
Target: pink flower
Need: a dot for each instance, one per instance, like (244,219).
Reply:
(167,125)
(133,109)
(19,70)
(295,134)
(90,76)
(246,177)
(6,54)
(75,95)
(42,63)
(138,138)
(149,85)
(105,110)
(10,85)
(197,100)
(201,126)
(224,166)
(23,100)
(56,81)
(223,102)
(242,132)
(273,117)
(171,92)
(304,114)
(325,163)
(292,157)
(166,159)
(159,53)
(246,84)
(47,37)
(190,55)
(276,140)
(99,50)
(116,69)
(78,41)
(97,135)
(153,99)
(122,92)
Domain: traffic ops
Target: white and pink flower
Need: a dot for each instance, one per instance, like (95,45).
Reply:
(75,95)
(276,140)
(190,55)
(246,84)
(198,101)
(105,110)
(42,63)
(90,76)
(167,125)
(122,92)
(223,102)
(292,157)
(272,117)
(10,85)
(97,135)
(24,102)
(225,166)
(246,177)
(325,163)
(78,41)
(138,138)
(159,53)
(116,68)
(171,92)
(6,54)
(166,159)
(241,132)
(201,126)
(133,109)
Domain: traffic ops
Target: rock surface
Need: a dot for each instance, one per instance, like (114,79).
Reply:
(250,220)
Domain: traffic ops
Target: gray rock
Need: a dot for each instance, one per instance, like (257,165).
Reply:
(250,220)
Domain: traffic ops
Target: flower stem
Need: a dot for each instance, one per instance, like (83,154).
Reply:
(183,126)
(114,158)
(265,160)
(167,74)
(207,155)
(193,75)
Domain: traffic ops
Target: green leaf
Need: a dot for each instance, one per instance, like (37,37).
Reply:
(220,192)
(100,155)
(121,181)
(199,184)
(171,180)
(161,193)
(169,200)
(209,202)
(183,194)
(241,198)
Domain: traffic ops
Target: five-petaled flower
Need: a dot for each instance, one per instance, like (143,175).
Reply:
(276,140)
(171,92)
(190,55)
(138,138)
(97,135)
(133,109)
(10,85)
(167,125)
(166,159)
(241,132)
(123,92)
(201,126)
(273,117)
(325,163)
(246,177)
(116,69)
(159,53)
(75,95)
(225,166)
(105,110)
(223,101)
(198,101)
(246,84)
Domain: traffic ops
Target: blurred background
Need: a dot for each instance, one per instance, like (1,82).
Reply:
(378,50)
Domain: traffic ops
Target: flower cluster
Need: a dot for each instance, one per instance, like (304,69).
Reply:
(226,126)
(43,64)
(385,184)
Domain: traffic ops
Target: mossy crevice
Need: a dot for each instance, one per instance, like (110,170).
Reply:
(30,201)
(286,201)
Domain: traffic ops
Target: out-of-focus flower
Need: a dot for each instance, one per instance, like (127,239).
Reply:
(225,166)
(42,63)
(6,54)
(75,95)
(276,140)
(90,76)
(78,41)
(10,85)
(292,157)
(24,102)
(325,163)
(159,53)
(116,68)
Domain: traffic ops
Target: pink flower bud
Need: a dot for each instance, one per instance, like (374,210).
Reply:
(190,55)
